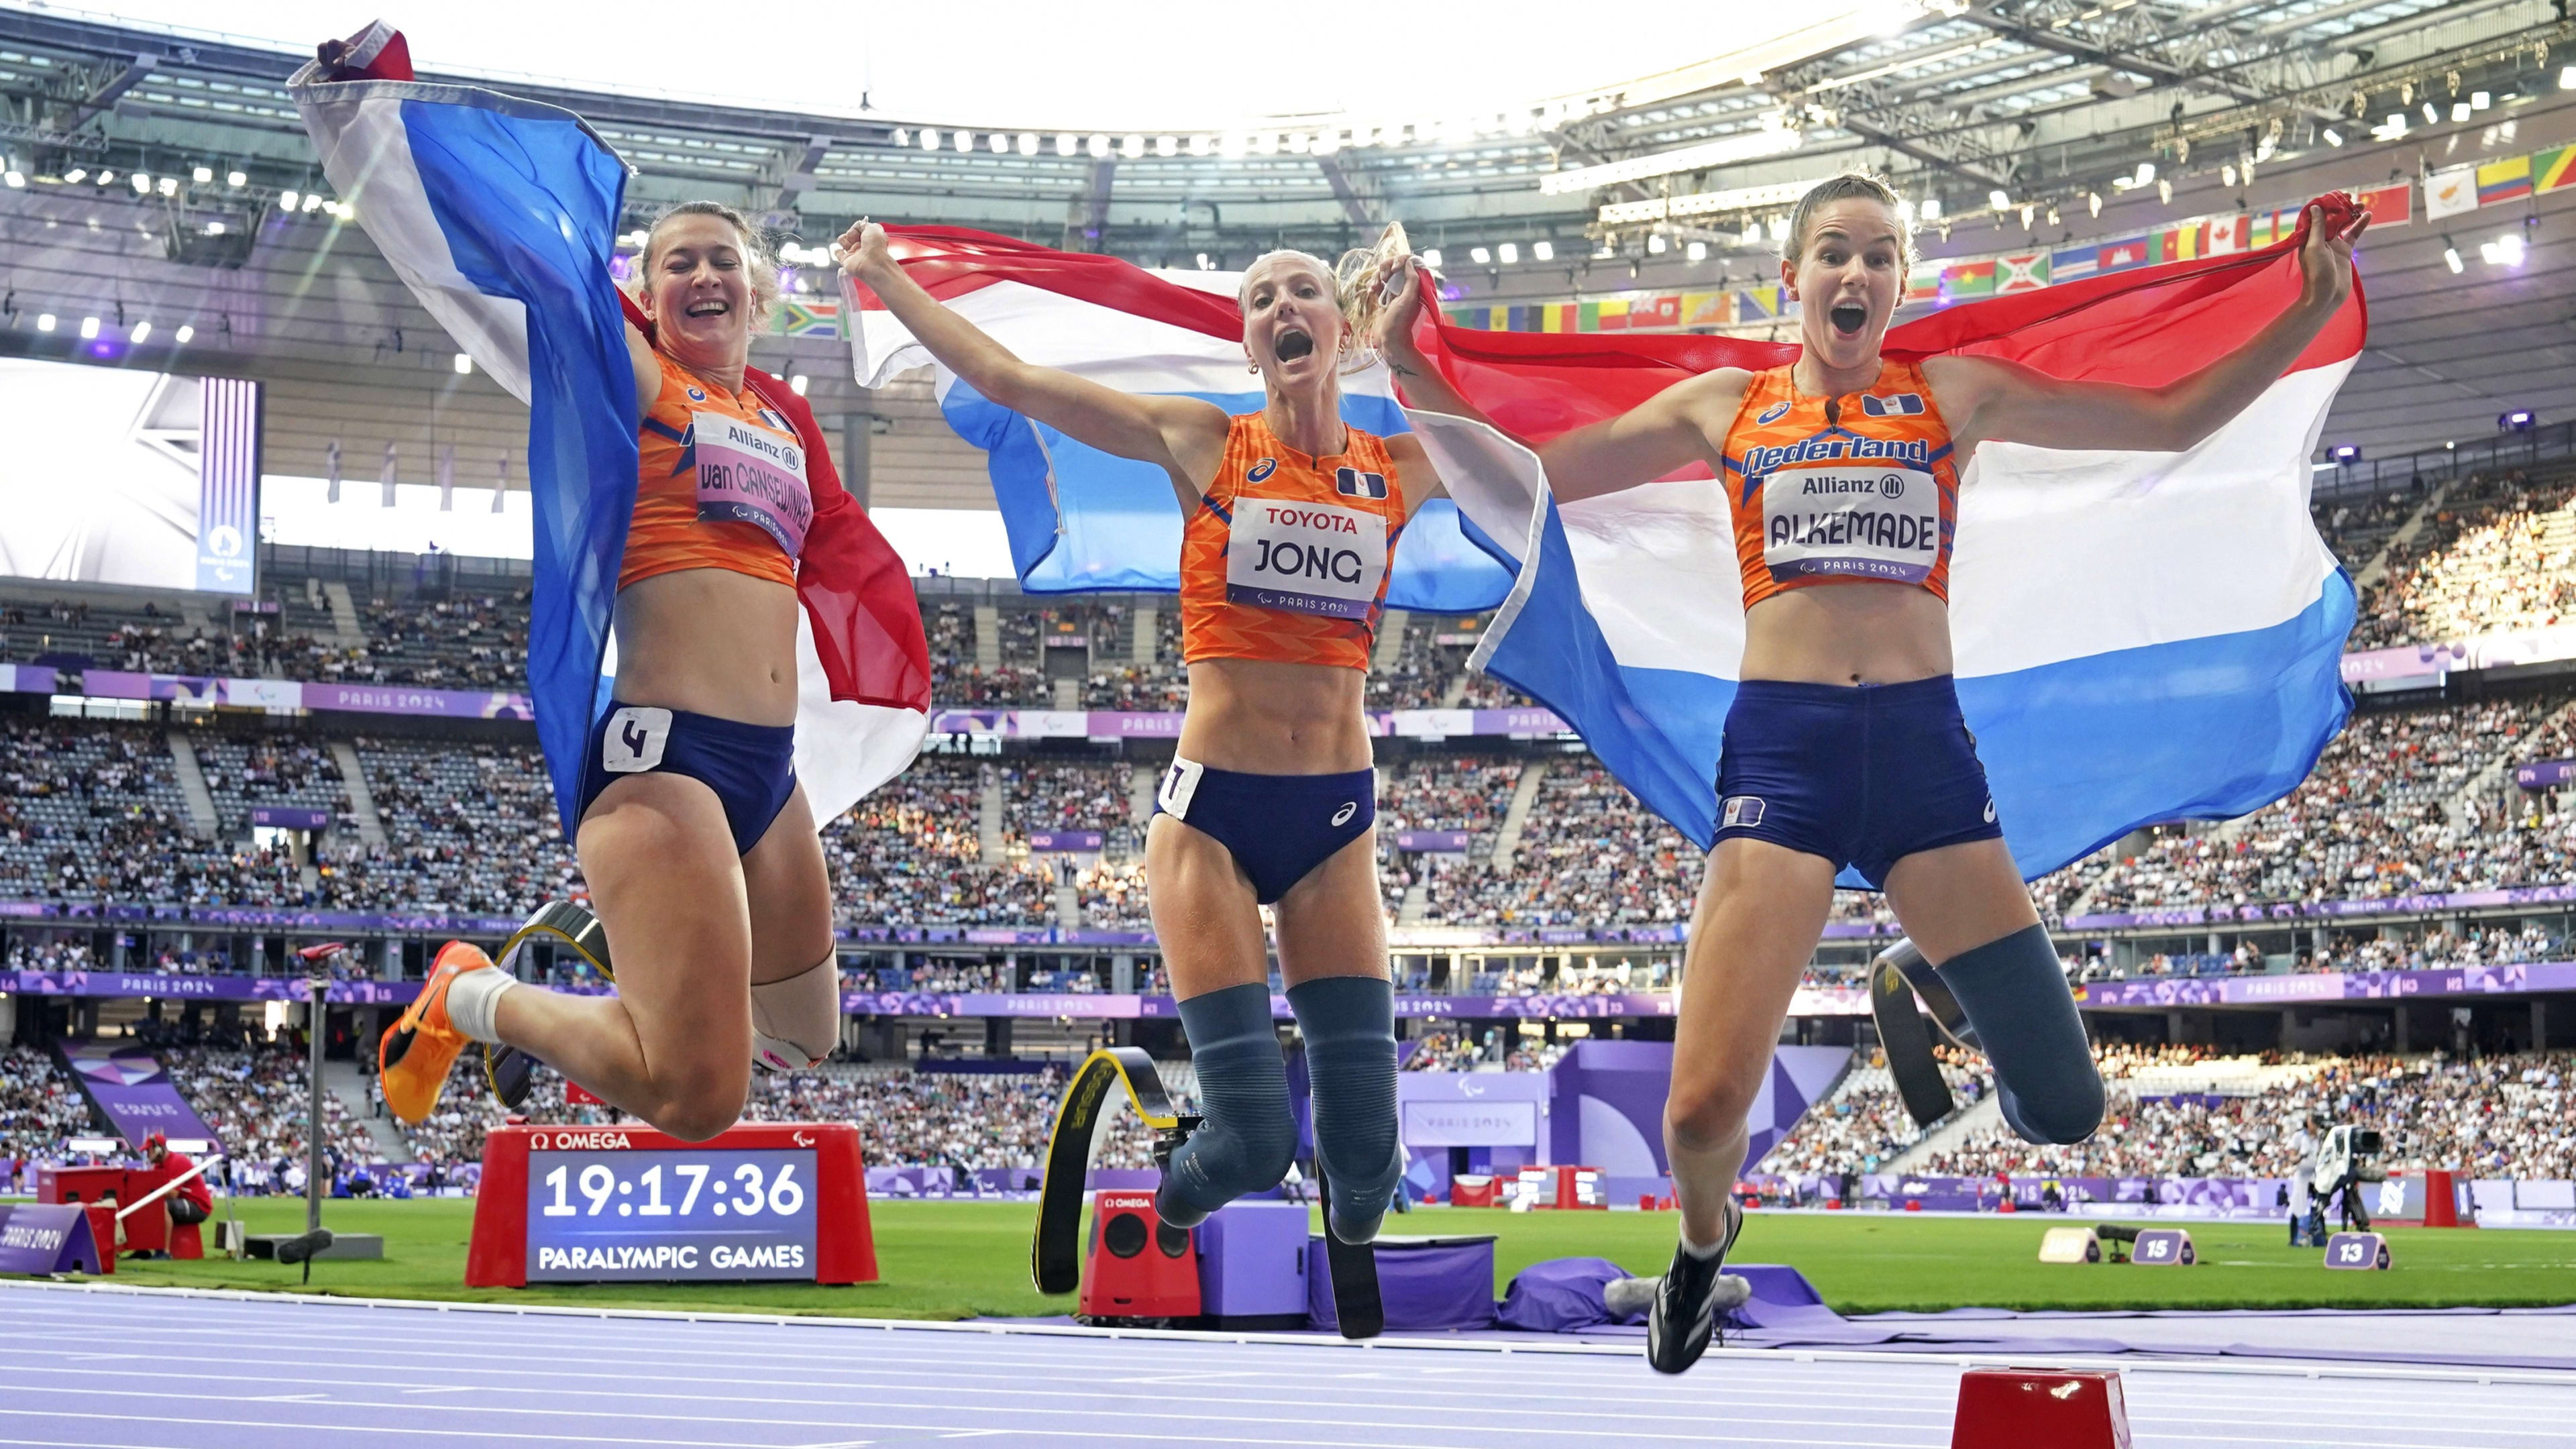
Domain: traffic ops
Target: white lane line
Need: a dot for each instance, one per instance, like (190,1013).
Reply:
(551,1382)
(2310,1369)
(344,1429)
(1122,1406)
(1797,1393)
(1053,1435)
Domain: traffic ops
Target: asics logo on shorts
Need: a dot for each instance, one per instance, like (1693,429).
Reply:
(1742,811)
(1343,815)
(1990,810)
(634,739)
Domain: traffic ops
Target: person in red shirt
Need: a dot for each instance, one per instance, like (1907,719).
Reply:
(190,1203)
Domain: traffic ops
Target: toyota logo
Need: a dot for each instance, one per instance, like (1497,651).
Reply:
(1893,485)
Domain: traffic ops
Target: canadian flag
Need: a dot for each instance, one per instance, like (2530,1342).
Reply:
(2228,234)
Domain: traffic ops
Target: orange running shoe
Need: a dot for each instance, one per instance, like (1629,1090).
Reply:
(413,1058)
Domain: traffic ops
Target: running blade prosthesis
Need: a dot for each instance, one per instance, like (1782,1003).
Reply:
(510,1071)
(1354,1268)
(1896,978)
(1055,1254)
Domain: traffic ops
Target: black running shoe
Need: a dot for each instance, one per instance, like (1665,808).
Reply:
(1175,1215)
(1684,1319)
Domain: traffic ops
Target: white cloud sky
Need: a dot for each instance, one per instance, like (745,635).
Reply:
(1108,64)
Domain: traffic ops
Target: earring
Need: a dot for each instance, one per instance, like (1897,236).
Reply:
(1251,366)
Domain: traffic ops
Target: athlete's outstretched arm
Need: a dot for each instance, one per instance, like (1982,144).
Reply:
(1662,435)
(1183,436)
(1986,400)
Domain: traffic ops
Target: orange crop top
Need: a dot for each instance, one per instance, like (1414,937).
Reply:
(722,485)
(1286,556)
(1839,490)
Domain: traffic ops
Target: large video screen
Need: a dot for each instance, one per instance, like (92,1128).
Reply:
(121,476)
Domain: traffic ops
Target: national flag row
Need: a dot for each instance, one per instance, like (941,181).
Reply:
(2460,189)
(1932,284)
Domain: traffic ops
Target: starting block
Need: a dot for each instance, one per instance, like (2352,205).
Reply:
(2366,1251)
(2039,1409)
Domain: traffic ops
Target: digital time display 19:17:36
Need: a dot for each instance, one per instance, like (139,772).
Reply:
(671,1214)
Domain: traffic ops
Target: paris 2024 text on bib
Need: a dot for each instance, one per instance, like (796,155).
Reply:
(1316,558)
(1851,519)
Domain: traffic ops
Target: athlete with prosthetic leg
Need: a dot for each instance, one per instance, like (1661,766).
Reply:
(694,835)
(1291,518)
(1845,745)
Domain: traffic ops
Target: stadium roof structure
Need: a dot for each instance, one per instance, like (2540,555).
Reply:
(161,174)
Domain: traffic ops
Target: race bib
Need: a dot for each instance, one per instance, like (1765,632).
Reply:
(1851,519)
(1315,558)
(748,474)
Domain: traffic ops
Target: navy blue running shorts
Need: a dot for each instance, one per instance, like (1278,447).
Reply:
(1862,775)
(752,768)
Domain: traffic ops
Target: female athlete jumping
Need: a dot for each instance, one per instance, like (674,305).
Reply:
(695,838)
(1290,522)
(1845,744)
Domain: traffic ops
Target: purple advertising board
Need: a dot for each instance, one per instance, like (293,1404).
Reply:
(1438,841)
(2230,1197)
(2169,991)
(288,817)
(42,1239)
(2544,774)
(1064,840)
(2543,895)
(130,1086)
(409,699)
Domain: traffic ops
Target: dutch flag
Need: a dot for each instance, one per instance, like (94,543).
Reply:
(2140,637)
(1079,519)
(501,216)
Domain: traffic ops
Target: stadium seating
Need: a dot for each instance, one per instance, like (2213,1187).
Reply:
(2500,1116)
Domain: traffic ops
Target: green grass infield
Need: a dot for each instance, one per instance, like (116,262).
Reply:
(962,1259)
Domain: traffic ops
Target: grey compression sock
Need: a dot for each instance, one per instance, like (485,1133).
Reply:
(1249,1135)
(2014,992)
(1349,1026)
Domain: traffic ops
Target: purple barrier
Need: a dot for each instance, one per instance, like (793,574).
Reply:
(2330,986)
(1096,1006)
(130,1086)
(2326,910)
(35,1239)
(2543,775)
(286,817)
(204,988)
(1449,841)
(1057,724)
(1064,840)
(2239,1197)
